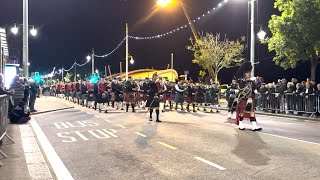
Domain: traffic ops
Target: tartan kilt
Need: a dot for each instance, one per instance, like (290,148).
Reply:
(245,107)
(90,96)
(83,96)
(190,99)
(78,94)
(179,98)
(153,102)
(200,99)
(129,97)
(141,97)
(167,97)
(102,98)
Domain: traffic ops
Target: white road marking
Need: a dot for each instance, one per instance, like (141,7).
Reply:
(56,163)
(121,126)
(210,163)
(140,134)
(167,145)
(290,138)
(88,112)
(107,121)
(36,164)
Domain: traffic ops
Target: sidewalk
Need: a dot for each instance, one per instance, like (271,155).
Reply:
(15,166)
(25,160)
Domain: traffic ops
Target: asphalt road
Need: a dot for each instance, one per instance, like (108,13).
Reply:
(121,145)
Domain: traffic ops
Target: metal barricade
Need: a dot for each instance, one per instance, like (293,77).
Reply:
(301,104)
(318,104)
(270,102)
(4,105)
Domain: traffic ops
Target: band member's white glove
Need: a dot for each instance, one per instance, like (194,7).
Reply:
(236,91)
(256,91)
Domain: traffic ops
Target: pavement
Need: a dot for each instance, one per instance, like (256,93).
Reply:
(80,143)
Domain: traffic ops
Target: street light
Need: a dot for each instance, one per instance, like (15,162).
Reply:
(131,60)
(88,58)
(97,71)
(14,29)
(164,3)
(261,34)
(33,32)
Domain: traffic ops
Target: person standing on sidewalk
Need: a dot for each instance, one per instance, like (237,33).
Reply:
(33,94)
(18,88)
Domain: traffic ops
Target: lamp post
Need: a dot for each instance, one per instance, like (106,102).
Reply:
(25,58)
(127,50)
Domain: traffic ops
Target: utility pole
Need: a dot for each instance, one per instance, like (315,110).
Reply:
(92,59)
(25,58)
(75,71)
(127,50)
(62,74)
(252,45)
(120,68)
(105,71)
(172,67)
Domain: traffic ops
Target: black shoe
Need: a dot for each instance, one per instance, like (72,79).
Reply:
(150,119)
(158,120)
(106,111)
(259,129)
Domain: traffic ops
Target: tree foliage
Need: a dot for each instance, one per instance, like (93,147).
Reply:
(214,54)
(296,33)
(67,78)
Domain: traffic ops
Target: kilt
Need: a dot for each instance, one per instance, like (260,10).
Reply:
(90,96)
(246,108)
(78,95)
(83,96)
(190,99)
(102,98)
(200,99)
(167,97)
(153,102)
(179,98)
(141,97)
(129,97)
(213,100)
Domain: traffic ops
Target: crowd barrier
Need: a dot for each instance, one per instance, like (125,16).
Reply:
(4,105)
(289,103)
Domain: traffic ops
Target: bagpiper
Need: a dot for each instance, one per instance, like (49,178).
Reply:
(129,94)
(179,97)
(190,94)
(245,97)
(230,97)
(153,101)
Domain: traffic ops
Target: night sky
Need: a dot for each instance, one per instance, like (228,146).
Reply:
(69,29)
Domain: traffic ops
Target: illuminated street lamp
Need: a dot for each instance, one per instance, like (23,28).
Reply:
(33,32)
(164,3)
(261,34)
(88,58)
(15,30)
(131,60)
(97,71)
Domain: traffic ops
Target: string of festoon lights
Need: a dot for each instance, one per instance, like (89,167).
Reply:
(108,54)
(213,10)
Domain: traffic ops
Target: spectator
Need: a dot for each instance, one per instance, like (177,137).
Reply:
(263,89)
(2,91)
(303,84)
(18,88)
(317,92)
(294,82)
(33,94)
(25,99)
(308,90)
(283,87)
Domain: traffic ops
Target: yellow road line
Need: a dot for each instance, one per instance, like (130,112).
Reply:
(167,145)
